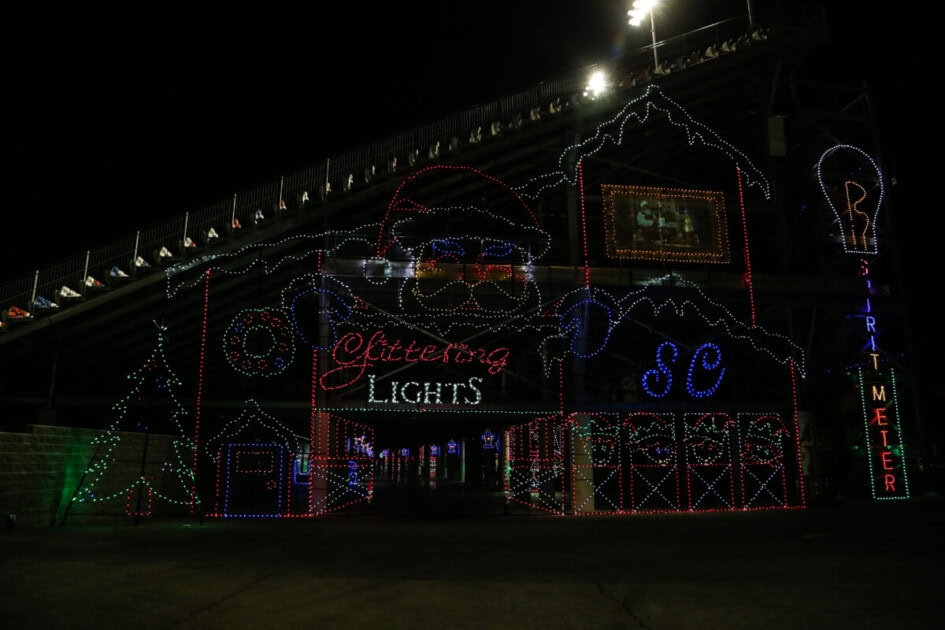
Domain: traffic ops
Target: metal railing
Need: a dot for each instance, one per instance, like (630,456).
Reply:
(357,165)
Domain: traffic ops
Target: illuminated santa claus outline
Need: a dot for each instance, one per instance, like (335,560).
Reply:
(448,278)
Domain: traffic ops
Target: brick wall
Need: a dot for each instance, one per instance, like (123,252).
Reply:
(41,469)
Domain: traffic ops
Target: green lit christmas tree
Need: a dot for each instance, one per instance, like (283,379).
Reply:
(121,475)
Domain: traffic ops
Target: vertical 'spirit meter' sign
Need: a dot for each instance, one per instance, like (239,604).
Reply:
(879,396)
(852,184)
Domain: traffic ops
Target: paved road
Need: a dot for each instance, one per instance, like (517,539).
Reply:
(416,562)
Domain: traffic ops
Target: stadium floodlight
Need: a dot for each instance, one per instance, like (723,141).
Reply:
(639,11)
(596,84)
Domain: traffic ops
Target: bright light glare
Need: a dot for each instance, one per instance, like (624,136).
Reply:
(596,84)
(639,11)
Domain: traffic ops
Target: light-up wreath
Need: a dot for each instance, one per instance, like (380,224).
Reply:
(259,342)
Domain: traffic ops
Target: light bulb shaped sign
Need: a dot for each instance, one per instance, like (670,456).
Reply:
(853,185)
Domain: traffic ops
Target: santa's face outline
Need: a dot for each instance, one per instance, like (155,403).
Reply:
(481,277)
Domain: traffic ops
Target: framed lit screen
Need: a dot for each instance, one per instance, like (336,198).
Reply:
(668,224)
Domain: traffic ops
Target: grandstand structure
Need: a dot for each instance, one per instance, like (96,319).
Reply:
(677,292)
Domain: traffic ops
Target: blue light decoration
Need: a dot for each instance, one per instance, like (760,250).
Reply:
(432,472)
(448,250)
(405,452)
(332,307)
(302,471)
(360,445)
(500,249)
(646,300)
(708,364)
(708,357)
(489,440)
(661,372)
(574,320)
(452,447)
(352,473)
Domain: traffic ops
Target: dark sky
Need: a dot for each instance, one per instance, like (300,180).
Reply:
(129,114)
(124,115)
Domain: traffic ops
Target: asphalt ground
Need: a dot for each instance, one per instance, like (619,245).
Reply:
(412,562)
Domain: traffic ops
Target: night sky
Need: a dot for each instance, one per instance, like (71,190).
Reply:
(127,115)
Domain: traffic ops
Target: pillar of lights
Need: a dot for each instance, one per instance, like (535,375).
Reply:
(641,8)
